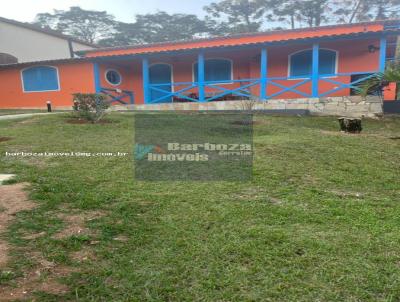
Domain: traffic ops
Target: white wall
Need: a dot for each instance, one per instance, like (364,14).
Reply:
(30,45)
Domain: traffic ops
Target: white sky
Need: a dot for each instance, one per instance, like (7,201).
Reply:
(123,10)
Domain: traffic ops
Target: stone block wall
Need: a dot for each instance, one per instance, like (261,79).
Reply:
(350,106)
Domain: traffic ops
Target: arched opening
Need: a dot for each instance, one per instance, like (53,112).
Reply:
(300,63)
(6,58)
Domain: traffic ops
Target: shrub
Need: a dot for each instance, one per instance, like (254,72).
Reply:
(90,106)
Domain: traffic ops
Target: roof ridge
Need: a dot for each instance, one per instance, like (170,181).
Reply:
(249,34)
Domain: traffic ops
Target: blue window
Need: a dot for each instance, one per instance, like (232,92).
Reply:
(40,78)
(301,63)
(215,70)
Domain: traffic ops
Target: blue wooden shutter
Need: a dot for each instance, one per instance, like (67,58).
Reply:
(41,78)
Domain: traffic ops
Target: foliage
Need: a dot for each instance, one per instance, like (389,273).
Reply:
(380,80)
(349,11)
(158,27)
(87,25)
(234,16)
(91,106)
(222,17)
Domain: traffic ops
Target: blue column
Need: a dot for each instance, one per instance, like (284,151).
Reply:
(201,77)
(382,54)
(146,81)
(263,74)
(315,70)
(96,73)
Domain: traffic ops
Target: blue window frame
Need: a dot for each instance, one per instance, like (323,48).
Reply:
(40,78)
(301,63)
(113,77)
(215,70)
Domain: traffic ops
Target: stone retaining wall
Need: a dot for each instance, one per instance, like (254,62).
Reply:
(352,106)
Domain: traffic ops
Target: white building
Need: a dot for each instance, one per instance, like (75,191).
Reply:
(24,42)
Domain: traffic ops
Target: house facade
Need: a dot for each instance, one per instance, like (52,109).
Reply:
(312,63)
(24,42)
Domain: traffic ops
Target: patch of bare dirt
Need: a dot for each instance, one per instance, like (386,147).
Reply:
(75,223)
(13,199)
(44,278)
(5,139)
(33,236)
(83,255)
(46,275)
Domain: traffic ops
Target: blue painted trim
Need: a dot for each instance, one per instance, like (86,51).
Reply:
(201,77)
(315,70)
(291,88)
(169,94)
(233,91)
(343,85)
(264,74)
(382,54)
(96,74)
(146,81)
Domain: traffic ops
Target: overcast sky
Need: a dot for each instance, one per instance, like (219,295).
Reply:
(123,10)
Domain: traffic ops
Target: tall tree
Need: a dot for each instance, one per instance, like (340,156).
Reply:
(158,27)
(350,11)
(234,16)
(87,25)
(282,11)
(297,13)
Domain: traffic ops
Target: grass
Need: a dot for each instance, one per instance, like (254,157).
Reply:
(20,111)
(319,222)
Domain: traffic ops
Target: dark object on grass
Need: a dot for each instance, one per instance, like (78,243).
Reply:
(49,106)
(350,125)
(4,139)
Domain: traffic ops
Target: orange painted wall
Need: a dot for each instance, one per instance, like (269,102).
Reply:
(73,77)
(78,76)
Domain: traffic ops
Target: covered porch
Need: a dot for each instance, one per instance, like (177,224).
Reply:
(299,69)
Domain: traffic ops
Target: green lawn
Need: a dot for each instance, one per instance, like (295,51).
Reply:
(319,222)
(20,111)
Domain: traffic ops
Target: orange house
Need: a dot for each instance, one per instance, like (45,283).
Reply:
(304,63)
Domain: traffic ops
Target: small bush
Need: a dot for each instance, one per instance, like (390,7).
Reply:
(90,106)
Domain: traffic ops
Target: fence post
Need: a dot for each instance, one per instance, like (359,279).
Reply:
(382,54)
(201,77)
(146,81)
(263,74)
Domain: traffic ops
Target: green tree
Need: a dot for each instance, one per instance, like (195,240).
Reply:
(158,27)
(297,13)
(234,16)
(87,25)
(350,11)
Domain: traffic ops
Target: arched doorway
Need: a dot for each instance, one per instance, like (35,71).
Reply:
(161,74)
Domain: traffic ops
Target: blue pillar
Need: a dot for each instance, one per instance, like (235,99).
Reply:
(146,81)
(96,73)
(201,77)
(382,54)
(263,74)
(315,70)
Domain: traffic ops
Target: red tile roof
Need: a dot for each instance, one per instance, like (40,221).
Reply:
(248,39)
